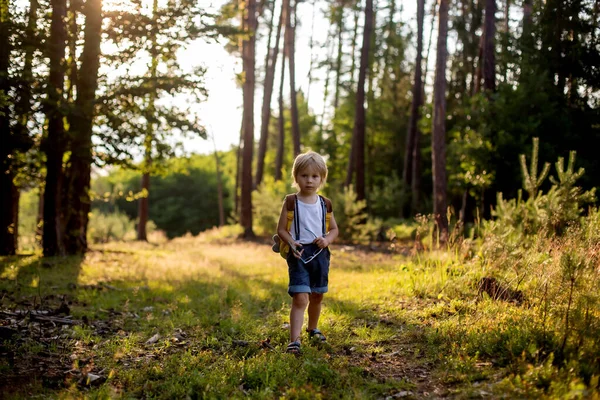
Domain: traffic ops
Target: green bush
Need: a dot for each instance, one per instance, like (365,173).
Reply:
(182,200)
(352,219)
(105,227)
(267,201)
(551,212)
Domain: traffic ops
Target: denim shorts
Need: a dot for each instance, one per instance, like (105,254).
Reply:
(312,277)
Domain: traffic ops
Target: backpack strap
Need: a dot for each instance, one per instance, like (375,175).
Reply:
(327,211)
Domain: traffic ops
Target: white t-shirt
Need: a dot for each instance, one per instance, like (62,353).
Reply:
(311,217)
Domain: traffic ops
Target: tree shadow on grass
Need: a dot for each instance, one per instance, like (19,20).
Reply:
(35,306)
(211,323)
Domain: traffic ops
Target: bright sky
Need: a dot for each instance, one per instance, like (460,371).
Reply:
(222,112)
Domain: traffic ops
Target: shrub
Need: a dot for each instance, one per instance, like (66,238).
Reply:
(352,219)
(104,227)
(552,212)
(267,201)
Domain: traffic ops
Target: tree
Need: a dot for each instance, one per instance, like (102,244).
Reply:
(358,135)
(7,187)
(438,138)
(248,59)
(411,172)
(54,144)
(489,58)
(135,112)
(219,184)
(280,121)
(78,174)
(270,62)
(290,48)
(143,208)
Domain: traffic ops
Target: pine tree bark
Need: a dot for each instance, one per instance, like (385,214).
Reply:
(248,56)
(280,122)
(143,208)
(219,184)
(527,19)
(270,62)
(238,169)
(354,41)
(8,243)
(360,114)
(489,56)
(478,77)
(290,46)
(412,159)
(439,127)
(80,163)
(54,144)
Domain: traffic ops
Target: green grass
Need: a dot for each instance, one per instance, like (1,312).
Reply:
(394,323)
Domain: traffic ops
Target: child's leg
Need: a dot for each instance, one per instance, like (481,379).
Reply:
(314,310)
(299,303)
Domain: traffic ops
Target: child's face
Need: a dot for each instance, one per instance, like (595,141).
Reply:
(308,180)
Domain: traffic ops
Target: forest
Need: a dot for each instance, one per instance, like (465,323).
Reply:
(461,142)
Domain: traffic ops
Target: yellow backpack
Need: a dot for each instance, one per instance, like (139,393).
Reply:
(290,200)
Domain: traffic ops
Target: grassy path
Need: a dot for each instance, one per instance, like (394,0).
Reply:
(195,319)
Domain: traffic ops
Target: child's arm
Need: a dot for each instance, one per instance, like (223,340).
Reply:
(285,235)
(333,233)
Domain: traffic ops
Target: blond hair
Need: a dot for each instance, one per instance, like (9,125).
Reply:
(310,159)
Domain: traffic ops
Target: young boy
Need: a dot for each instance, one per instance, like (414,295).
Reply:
(308,259)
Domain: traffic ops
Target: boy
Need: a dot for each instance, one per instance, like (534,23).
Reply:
(308,259)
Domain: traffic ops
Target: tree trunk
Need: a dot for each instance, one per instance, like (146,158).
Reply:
(238,169)
(428,52)
(506,39)
(73,35)
(54,144)
(412,153)
(80,163)
(290,38)
(248,56)
(438,137)
(527,19)
(270,62)
(373,64)
(354,41)
(478,76)
(359,120)
(338,61)
(7,186)
(388,68)
(489,56)
(9,201)
(143,208)
(23,109)
(280,122)
(219,184)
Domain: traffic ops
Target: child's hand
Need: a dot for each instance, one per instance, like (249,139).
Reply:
(322,242)
(297,249)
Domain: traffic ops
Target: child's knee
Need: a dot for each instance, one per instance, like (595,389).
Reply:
(316,298)
(300,300)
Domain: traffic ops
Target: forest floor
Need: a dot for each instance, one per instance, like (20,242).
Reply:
(197,318)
